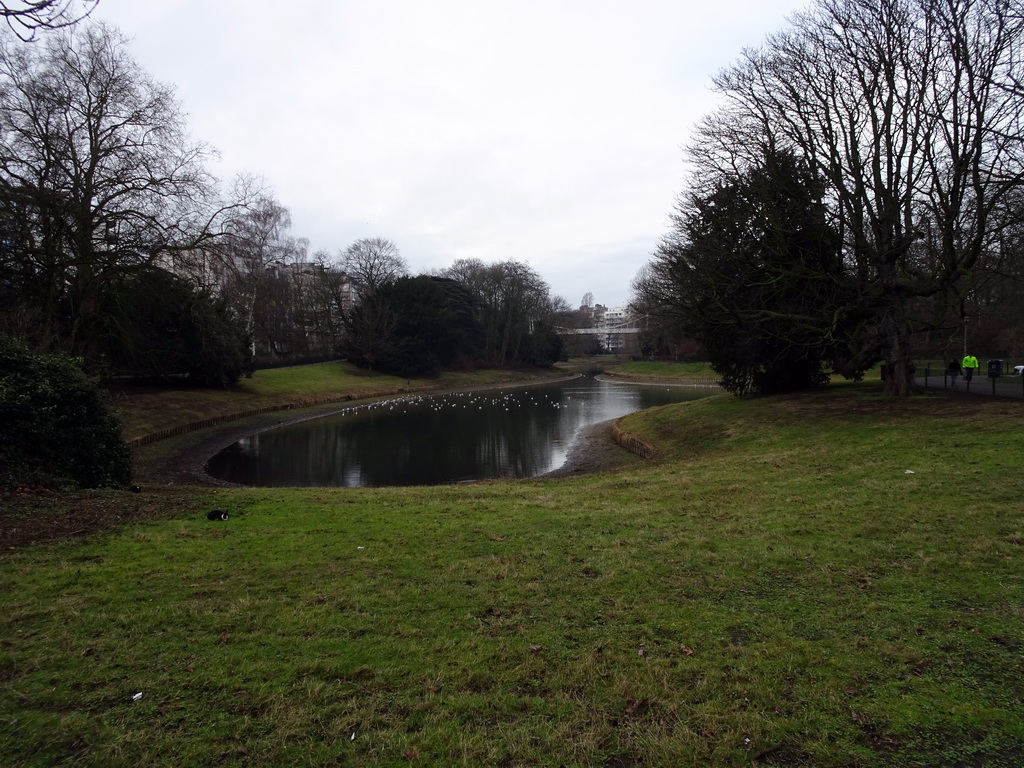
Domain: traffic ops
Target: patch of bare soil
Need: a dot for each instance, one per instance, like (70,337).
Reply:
(595,451)
(33,516)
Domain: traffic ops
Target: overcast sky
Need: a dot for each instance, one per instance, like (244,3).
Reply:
(547,131)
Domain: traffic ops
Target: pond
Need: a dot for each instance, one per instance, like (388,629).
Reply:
(512,432)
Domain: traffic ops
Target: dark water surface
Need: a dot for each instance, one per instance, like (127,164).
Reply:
(437,439)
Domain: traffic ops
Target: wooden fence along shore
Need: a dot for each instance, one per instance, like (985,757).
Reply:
(632,443)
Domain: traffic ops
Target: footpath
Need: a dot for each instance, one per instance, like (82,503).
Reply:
(1004,386)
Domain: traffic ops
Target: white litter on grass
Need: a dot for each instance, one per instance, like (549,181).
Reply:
(909,472)
(137,696)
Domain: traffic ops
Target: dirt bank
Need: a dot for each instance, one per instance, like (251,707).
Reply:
(595,451)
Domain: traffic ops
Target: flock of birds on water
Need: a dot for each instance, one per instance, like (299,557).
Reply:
(463,401)
(475,399)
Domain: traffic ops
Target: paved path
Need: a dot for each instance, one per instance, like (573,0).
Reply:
(1005,386)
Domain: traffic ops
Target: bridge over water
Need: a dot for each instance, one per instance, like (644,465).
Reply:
(595,331)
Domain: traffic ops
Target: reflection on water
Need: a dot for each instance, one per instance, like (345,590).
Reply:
(430,440)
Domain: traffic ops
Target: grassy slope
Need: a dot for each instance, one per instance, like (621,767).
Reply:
(776,590)
(639,369)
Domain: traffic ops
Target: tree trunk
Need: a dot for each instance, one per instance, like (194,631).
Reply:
(898,371)
(898,378)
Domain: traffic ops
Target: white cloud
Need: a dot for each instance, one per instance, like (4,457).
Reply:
(543,131)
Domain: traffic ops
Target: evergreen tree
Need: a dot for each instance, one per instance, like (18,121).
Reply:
(753,271)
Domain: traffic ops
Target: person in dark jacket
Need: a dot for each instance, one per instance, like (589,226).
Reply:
(953,370)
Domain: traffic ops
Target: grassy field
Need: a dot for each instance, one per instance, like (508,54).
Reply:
(826,580)
(643,369)
(658,370)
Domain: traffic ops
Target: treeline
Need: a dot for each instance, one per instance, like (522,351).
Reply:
(120,248)
(471,314)
(117,245)
(857,198)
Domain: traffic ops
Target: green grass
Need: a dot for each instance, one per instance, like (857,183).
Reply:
(663,370)
(607,358)
(775,590)
(644,369)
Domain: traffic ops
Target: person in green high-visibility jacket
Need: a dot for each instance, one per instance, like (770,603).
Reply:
(970,365)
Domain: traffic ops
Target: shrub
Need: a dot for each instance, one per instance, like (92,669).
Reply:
(55,428)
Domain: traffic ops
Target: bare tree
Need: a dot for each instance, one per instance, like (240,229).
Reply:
(329,298)
(256,250)
(656,301)
(558,305)
(27,17)
(912,112)
(513,298)
(371,262)
(97,176)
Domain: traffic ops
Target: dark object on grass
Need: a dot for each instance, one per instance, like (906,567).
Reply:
(135,489)
(217,514)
